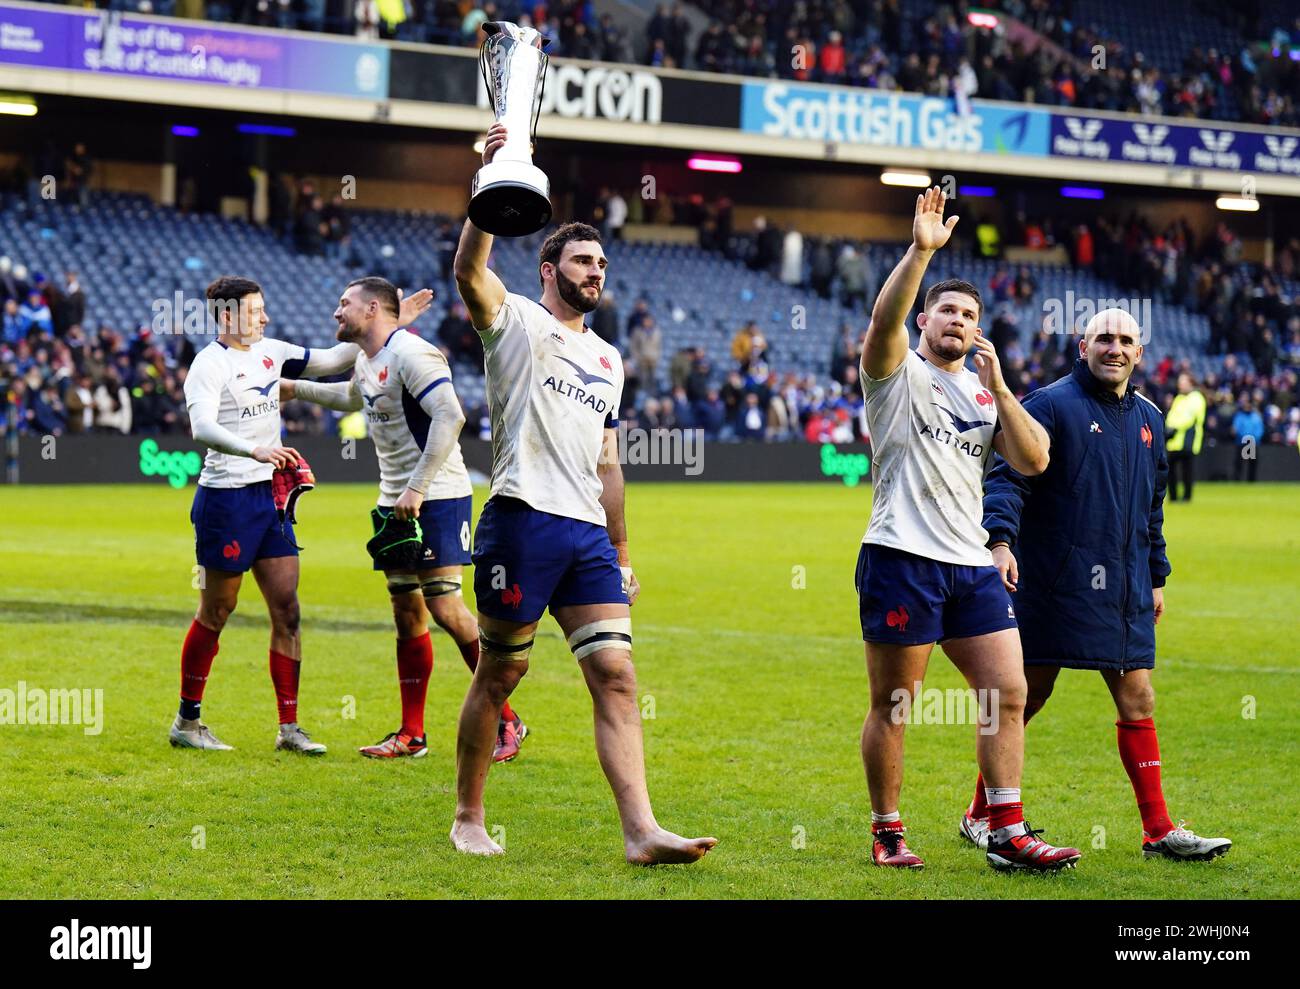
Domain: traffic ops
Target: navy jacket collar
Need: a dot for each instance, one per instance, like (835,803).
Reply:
(1089,383)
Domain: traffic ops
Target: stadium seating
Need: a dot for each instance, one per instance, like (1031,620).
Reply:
(131,252)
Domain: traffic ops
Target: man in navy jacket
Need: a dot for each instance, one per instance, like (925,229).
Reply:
(1089,568)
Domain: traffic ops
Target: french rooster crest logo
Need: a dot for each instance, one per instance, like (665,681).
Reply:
(898,618)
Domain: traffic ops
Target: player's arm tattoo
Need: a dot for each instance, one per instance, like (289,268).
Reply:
(1022,441)
(480,288)
(611,495)
(886,343)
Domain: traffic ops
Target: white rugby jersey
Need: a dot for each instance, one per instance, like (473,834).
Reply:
(551,395)
(931,435)
(392,387)
(233,398)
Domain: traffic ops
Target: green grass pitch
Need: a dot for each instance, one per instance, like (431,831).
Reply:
(749,659)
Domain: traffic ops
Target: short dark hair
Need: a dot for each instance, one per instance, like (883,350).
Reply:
(382,289)
(954,285)
(553,246)
(228,290)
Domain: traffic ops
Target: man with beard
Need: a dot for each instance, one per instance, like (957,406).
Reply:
(553,531)
(924,573)
(421,523)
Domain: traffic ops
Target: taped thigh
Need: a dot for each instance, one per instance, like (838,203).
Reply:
(508,646)
(441,585)
(607,633)
(402,583)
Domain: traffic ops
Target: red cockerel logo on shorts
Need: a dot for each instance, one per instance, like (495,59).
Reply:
(231,550)
(1146,435)
(512,596)
(897,619)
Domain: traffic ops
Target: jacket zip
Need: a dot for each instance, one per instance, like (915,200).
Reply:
(1123,431)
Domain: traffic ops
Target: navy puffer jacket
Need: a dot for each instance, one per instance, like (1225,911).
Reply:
(1087,532)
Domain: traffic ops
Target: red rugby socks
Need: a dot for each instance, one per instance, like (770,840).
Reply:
(284,676)
(979,805)
(1140,753)
(414,665)
(1005,807)
(197,654)
(892,821)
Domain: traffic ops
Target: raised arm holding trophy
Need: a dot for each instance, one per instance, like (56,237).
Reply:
(510,196)
(552,534)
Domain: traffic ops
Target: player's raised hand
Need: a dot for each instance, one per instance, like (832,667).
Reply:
(987,365)
(413,306)
(276,456)
(929,230)
(496,137)
(1005,561)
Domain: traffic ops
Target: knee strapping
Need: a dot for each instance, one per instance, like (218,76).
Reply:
(608,633)
(402,583)
(440,586)
(513,647)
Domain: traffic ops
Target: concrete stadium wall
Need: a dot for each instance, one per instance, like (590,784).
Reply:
(176,460)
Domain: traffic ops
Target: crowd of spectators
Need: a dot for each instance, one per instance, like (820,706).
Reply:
(750,400)
(1253,312)
(1254,320)
(881,44)
(300,216)
(1250,310)
(1063,63)
(759,402)
(59,377)
(62,377)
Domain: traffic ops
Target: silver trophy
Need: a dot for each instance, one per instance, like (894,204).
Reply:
(510,196)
